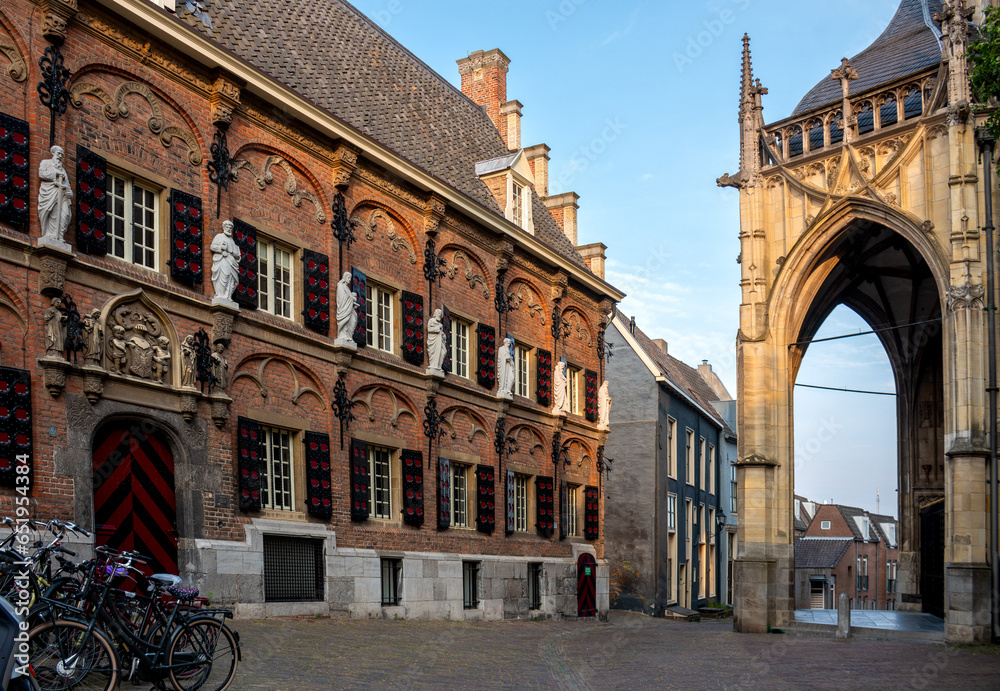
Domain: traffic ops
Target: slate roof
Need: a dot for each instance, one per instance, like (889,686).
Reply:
(910,43)
(334,56)
(849,513)
(820,552)
(878,520)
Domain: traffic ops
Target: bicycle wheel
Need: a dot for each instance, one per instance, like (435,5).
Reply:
(208,654)
(62,659)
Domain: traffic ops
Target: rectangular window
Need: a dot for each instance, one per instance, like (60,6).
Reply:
(824,525)
(460,347)
(534,586)
(470,584)
(702,457)
(294,569)
(392,580)
(459,495)
(711,526)
(274,278)
(688,524)
(276,481)
(573,376)
(380,302)
(521,503)
(572,496)
(134,221)
(671,447)
(380,487)
(517,204)
(521,386)
(701,524)
(671,513)
(711,469)
(689,457)
(733,487)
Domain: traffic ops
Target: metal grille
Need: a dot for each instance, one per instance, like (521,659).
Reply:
(392,570)
(293,569)
(470,584)
(534,586)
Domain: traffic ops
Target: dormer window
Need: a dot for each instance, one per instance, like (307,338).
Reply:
(517,204)
(510,179)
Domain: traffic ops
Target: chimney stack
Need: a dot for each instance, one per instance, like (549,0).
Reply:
(661,344)
(563,209)
(538,158)
(484,80)
(594,255)
(511,111)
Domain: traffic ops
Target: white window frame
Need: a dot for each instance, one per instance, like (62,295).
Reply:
(689,456)
(711,525)
(275,278)
(460,495)
(824,525)
(127,238)
(460,336)
(701,525)
(517,204)
(671,513)
(286,446)
(734,486)
(702,456)
(522,365)
(380,484)
(521,484)
(380,315)
(573,375)
(572,500)
(671,447)
(711,468)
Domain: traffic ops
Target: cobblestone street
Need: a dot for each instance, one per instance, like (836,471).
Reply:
(629,652)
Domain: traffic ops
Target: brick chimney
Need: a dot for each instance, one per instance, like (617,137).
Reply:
(511,112)
(484,80)
(538,159)
(563,209)
(661,344)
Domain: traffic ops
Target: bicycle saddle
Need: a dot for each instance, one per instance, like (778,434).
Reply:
(166,579)
(183,594)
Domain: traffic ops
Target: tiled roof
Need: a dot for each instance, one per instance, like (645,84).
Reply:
(819,552)
(909,44)
(849,513)
(334,56)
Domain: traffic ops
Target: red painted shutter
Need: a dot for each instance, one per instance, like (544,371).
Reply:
(317,291)
(486,368)
(485,499)
(14,172)
(591,515)
(245,236)
(318,493)
(186,238)
(413,328)
(413,487)
(543,377)
(510,502)
(545,501)
(361,290)
(444,493)
(360,480)
(563,514)
(249,463)
(590,398)
(91,202)
(15,426)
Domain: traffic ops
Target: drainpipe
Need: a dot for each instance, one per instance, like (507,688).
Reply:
(986,144)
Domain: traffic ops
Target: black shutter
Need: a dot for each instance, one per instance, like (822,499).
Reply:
(15,427)
(590,398)
(543,378)
(360,480)
(14,172)
(546,506)
(361,290)
(413,487)
(318,494)
(446,327)
(91,202)
(186,237)
(485,499)
(563,512)
(444,493)
(317,286)
(249,463)
(510,502)
(486,368)
(591,515)
(245,236)
(413,328)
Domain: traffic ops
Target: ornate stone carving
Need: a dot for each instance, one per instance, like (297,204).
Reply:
(93,383)
(135,347)
(54,374)
(345,162)
(189,406)
(396,240)
(93,338)
(55,329)
(55,200)
(264,177)
(434,211)
(220,369)
(56,14)
(451,270)
(18,68)
(220,409)
(965,296)
(954,18)
(52,273)
(224,99)
(522,294)
(223,317)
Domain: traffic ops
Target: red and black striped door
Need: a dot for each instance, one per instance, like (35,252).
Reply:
(586,585)
(134,502)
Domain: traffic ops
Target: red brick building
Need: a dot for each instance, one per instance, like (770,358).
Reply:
(244,447)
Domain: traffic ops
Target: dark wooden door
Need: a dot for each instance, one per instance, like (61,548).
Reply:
(586,585)
(932,558)
(134,502)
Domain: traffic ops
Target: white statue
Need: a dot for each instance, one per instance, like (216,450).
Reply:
(347,309)
(560,386)
(161,359)
(55,199)
(604,407)
(505,369)
(437,349)
(225,263)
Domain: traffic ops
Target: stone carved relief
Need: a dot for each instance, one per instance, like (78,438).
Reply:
(401,405)
(396,240)
(139,346)
(477,425)
(264,177)
(578,326)
(965,296)
(258,376)
(115,106)
(523,295)
(17,69)
(526,438)
(453,265)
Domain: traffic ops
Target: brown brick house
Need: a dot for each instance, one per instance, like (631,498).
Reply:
(244,446)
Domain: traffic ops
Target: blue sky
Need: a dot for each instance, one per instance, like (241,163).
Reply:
(638,102)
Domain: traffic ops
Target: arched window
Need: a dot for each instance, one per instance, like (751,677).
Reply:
(795,142)
(887,113)
(837,128)
(913,104)
(816,135)
(866,118)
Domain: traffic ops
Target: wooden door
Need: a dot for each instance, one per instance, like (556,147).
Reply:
(586,585)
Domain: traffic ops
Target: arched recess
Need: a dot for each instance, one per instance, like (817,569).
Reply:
(14,49)
(373,217)
(579,325)
(138,323)
(13,321)
(527,439)
(255,368)
(464,424)
(263,175)
(87,82)
(462,260)
(578,451)
(400,404)
(523,292)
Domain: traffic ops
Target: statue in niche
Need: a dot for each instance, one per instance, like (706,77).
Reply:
(55,199)
(55,329)
(225,263)
(505,369)
(604,407)
(189,362)
(220,369)
(437,349)
(117,349)
(93,337)
(560,385)
(161,359)
(347,306)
